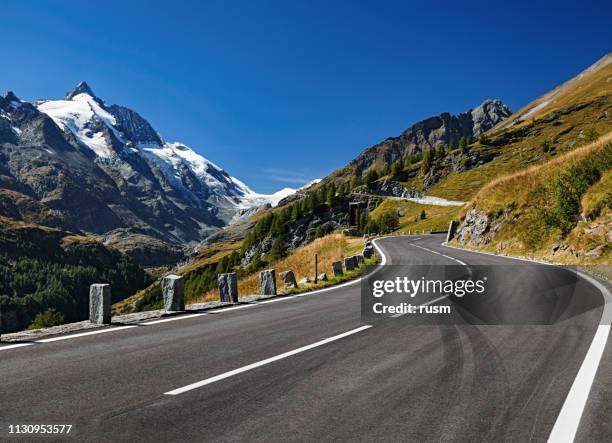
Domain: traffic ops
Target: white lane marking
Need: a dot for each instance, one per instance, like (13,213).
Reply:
(17,345)
(440,254)
(166,320)
(184,317)
(569,417)
(96,332)
(568,420)
(435,300)
(85,334)
(264,362)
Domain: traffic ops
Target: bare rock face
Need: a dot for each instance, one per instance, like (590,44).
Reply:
(475,230)
(288,279)
(487,115)
(267,282)
(444,129)
(228,287)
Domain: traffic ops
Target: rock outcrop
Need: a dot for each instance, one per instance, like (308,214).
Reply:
(442,130)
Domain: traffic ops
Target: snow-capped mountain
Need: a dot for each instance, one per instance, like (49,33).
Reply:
(113,132)
(94,167)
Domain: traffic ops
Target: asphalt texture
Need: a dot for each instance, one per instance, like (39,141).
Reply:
(396,381)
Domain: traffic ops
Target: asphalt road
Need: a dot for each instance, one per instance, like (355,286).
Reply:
(394,381)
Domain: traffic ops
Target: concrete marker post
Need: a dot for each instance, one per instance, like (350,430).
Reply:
(228,287)
(100,304)
(267,282)
(173,291)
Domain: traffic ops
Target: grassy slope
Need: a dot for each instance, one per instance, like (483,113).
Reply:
(517,146)
(331,248)
(524,195)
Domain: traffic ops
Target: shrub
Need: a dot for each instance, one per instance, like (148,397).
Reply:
(388,222)
(46,319)
(565,191)
(372,227)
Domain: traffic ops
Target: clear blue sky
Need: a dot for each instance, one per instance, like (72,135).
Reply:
(281,92)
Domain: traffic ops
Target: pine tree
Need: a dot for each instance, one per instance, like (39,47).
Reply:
(277,251)
(330,196)
(427,162)
(295,212)
(371,177)
(397,168)
(463,144)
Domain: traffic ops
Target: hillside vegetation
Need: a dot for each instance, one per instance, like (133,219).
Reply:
(435,158)
(45,274)
(201,280)
(560,210)
(331,248)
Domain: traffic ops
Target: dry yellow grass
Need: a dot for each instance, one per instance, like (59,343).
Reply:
(515,187)
(331,248)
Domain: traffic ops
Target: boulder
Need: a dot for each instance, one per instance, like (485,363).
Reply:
(337,268)
(228,287)
(288,279)
(304,281)
(322,277)
(173,292)
(267,282)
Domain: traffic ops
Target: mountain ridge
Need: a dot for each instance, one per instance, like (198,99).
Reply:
(95,168)
(444,129)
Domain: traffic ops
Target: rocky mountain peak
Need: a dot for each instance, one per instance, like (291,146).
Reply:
(488,114)
(11,97)
(81,88)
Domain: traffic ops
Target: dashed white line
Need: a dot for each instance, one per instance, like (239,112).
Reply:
(440,254)
(258,364)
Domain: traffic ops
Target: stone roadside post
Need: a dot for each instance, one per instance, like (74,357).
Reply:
(337,268)
(452,227)
(100,304)
(228,287)
(267,282)
(173,290)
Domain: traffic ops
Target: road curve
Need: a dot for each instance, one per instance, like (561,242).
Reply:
(392,382)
